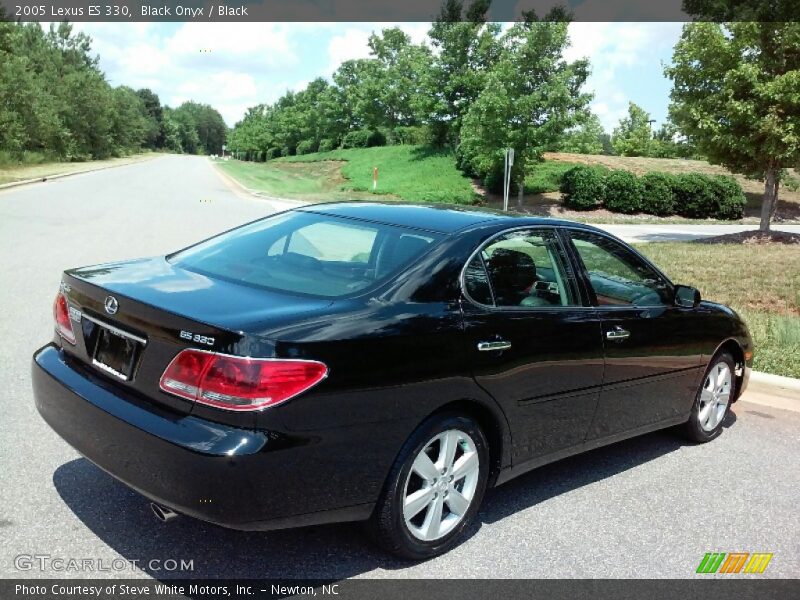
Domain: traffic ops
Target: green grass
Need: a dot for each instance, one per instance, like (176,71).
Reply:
(762,283)
(317,181)
(546,176)
(413,173)
(33,165)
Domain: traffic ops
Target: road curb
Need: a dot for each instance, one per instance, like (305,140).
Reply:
(14,184)
(787,383)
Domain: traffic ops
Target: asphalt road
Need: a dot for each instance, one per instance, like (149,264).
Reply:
(648,507)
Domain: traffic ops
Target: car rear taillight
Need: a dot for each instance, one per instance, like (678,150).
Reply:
(236,383)
(61,316)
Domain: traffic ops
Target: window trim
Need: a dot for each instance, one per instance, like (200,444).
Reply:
(584,272)
(582,297)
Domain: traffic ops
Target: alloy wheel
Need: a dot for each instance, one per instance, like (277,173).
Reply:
(441,485)
(715,396)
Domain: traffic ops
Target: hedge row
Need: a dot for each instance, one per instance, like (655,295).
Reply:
(690,194)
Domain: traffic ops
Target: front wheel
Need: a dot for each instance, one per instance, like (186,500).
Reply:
(713,400)
(434,489)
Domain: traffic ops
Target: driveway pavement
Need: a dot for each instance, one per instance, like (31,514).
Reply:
(648,507)
(682,233)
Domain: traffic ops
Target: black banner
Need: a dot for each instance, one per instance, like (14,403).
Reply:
(410,589)
(393,10)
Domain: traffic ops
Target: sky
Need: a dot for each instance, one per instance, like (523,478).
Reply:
(233,66)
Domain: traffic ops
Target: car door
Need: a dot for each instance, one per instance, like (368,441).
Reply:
(652,359)
(533,342)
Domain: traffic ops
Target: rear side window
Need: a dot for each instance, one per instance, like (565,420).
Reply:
(522,268)
(307,253)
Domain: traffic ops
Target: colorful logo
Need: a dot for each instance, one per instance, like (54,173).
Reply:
(734,562)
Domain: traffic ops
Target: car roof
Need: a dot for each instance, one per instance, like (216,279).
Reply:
(440,218)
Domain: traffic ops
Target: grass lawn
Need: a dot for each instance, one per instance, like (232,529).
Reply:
(404,172)
(21,172)
(315,182)
(762,283)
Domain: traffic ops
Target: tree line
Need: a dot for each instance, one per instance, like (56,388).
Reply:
(473,87)
(56,104)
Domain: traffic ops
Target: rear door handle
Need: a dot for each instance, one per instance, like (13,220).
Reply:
(494,346)
(618,334)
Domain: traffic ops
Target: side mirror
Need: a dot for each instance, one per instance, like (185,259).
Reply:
(686,296)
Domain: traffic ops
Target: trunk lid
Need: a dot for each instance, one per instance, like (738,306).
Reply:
(162,309)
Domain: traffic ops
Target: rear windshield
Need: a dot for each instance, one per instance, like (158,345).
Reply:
(307,253)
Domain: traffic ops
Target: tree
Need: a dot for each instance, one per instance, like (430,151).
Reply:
(467,49)
(585,139)
(154,136)
(201,127)
(736,94)
(633,135)
(532,95)
(402,68)
(129,123)
(668,142)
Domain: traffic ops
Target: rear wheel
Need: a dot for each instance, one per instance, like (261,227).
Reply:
(713,400)
(434,489)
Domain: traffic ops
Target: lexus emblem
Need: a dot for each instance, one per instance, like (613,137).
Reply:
(111,305)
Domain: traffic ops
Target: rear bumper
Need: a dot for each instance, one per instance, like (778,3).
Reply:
(213,472)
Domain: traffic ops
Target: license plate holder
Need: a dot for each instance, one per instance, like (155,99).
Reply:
(115,353)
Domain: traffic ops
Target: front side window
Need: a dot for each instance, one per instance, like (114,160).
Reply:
(307,253)
(525,268)
(618,276)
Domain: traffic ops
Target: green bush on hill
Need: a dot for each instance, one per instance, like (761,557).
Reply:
(306,147)
(658,197)
(363,138)
(730,197)
(623,192)
(582,188)
(690,195)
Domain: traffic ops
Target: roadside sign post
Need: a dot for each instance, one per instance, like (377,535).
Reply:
(223,150)
(509,162)
(374,178)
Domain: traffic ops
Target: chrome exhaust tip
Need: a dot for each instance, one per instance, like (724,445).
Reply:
(162,513)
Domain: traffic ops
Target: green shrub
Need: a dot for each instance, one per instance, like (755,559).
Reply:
(546,176)
(273,153)
(623,192)
(730,198)
(326,145)
(658,197)
(414,135)
(287,151)
(703,197)
(363,138)
(493,181)
(694,196)
(306,147)
(582,188)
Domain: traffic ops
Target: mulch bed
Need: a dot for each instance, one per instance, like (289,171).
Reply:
(759,238)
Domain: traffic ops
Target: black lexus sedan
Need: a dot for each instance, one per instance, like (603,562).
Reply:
(376,362)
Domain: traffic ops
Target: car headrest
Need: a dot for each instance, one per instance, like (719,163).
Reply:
(400,253)
(511,270)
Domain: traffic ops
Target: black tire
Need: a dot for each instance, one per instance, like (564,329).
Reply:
(693,429)
(388,527)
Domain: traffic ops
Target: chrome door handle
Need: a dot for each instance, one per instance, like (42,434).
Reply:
(494,346)
(618,334)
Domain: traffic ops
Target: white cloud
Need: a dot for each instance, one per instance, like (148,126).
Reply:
(613,48)
(227,65)
(351,44)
